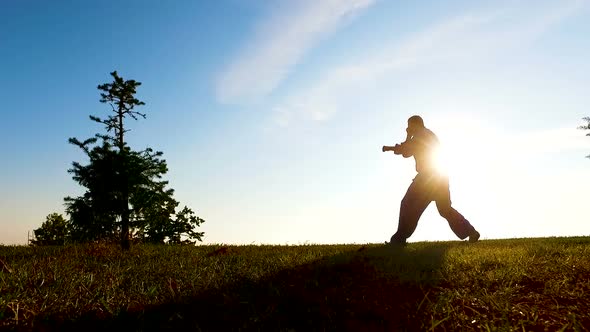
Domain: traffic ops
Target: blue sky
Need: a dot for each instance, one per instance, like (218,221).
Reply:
(272,114)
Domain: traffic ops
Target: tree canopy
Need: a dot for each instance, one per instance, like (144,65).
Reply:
(153,209)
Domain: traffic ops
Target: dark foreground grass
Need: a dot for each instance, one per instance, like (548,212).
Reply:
(522,284)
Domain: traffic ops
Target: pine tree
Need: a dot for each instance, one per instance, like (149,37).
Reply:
(124,188)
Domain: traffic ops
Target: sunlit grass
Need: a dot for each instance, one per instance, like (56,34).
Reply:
(493,284)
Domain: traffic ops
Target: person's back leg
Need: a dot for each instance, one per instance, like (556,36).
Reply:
(459,224)
(412,206)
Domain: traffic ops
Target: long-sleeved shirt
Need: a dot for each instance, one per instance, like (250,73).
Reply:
(422,146)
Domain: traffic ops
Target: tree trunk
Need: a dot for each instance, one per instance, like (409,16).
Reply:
(125,243)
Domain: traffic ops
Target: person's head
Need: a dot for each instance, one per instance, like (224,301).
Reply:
(415,123)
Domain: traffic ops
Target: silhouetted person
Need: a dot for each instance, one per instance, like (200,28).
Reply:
(428,185)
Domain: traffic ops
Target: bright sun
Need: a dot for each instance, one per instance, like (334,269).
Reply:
(441,161)
(466,149)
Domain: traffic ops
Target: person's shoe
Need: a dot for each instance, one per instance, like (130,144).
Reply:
(396,244)
(474,236)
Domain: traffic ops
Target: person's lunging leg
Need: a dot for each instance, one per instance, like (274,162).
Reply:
(412,206)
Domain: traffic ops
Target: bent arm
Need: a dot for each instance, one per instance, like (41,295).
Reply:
(406,148)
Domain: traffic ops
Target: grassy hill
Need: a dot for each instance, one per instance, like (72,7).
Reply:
(530,284)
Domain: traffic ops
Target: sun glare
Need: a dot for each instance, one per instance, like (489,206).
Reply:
(441,161)
(466,150)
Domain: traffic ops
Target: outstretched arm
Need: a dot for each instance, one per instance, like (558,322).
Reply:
(405,148)
(397,149)
(389,148)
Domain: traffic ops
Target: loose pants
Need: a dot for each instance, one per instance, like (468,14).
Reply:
(424,189)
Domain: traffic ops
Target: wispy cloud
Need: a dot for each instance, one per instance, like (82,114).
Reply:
(468,37)
(280,42)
